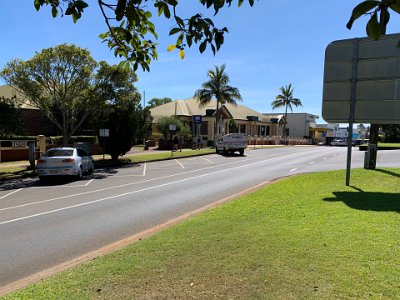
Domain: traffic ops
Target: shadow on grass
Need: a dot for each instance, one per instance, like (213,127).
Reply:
(370,201)
(388,172)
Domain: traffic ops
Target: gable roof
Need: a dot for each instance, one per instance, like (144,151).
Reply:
(190,107)
(7,91)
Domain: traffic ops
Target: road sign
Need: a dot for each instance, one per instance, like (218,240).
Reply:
(372,70)
(104,132)
(197,119)
(172,127)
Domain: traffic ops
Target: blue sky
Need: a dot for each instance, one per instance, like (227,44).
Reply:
(270,45)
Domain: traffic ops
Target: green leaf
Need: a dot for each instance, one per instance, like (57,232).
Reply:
(374,28)
(120,10)
(174,31)
(54,11)
(203,46)
(360,10)
(167,13)
(179,40)
(37,5)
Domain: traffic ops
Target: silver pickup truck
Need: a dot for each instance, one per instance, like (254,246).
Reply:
(231,142)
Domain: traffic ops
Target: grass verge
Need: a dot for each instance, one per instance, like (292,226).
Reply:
(304,237)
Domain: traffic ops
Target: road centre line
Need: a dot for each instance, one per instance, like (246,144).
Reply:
(9,194)
(292,170)
(132,192)
(134,183)
(179,163)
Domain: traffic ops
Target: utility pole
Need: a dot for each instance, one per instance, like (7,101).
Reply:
(144,120)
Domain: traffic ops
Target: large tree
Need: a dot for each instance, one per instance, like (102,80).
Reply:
(121,111)
(131,33)
(217,86)
(57,81)
(286,99)
(158,101)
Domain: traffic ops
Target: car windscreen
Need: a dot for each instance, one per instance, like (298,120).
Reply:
(58,152)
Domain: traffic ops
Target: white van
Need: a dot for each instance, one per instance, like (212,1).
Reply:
(231,142)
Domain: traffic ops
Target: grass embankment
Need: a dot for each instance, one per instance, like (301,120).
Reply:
(303,237)
(381,146)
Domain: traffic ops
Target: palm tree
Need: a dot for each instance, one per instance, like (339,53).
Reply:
(217,86)
(285,99)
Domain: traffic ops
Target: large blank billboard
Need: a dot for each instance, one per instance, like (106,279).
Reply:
(376,68)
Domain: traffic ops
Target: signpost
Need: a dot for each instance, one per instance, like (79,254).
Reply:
(104,133)
(362,84)
(172,128)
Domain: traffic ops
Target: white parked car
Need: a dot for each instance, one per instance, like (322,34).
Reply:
(339,142)
(64,161)
(231,142)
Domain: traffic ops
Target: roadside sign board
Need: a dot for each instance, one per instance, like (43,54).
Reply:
(172,127)
(372,69)
(104,132)
(197,119)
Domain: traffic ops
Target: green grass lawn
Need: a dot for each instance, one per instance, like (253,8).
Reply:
(303,237)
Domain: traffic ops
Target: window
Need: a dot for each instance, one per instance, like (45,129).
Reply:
(242,128)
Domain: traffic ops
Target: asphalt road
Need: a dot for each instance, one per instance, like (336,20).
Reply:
(43,225)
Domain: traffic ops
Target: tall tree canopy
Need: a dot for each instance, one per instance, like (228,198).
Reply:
(158,101)
(286,99)
(217,86)
(57,81)
(121,113)
(131,33)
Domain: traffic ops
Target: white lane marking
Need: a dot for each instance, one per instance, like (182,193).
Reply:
(89,182)
(325,158)
(311,163)
(179,163)
(210,161)
(144,169)
(62,186)
(9,194)
(128,193)
(134,183)
(292,170)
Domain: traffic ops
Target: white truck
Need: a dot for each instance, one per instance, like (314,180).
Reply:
(231,142)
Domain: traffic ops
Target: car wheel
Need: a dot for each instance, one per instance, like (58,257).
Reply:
(241,152)
(43,178)
(217,151)
(80,173)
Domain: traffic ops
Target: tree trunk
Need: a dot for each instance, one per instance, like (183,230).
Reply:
(374,130)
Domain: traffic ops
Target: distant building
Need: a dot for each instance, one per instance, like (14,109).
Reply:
(301,125)
(249,121)
(35,122)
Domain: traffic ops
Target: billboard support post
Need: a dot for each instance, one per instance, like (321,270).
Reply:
(352,108)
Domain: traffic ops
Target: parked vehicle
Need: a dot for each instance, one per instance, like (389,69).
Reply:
(64,161)
(231,142)
(339,142)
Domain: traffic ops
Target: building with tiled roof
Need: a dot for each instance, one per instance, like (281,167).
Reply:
(249,121)
(35,122)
